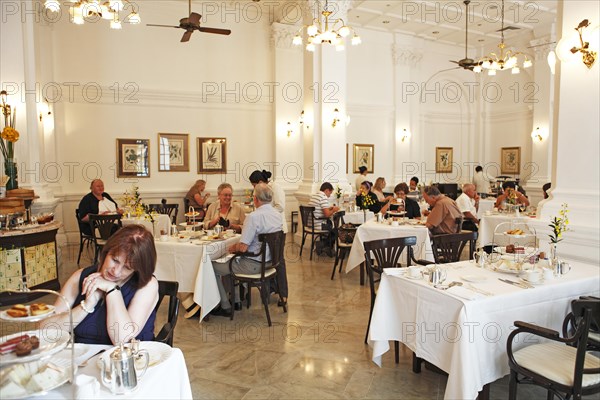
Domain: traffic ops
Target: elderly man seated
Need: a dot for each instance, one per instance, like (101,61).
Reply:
(323,211)
(444,212)
(468,204)
(265,219)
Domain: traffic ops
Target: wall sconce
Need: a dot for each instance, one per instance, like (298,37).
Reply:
(539,134)
(336,118)
(290,129)
(44,109)
(405,135)
(571,44)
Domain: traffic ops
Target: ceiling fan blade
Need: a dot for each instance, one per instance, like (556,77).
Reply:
(194,18)
(163,26)
(186,36)
(215,30)
(455,62)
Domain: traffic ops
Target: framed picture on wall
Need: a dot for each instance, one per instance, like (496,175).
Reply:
(173,152)
(363,155)
(212,155)
(347,146)
(510,161)
(133,158)
(443,159)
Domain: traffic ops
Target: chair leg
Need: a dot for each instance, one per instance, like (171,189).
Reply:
(362,274)
(512,386)
(232,295)
(550,395)
(304,234)
(416,363)
(342,261)
(312,244)
(337,257)
(370,315)
(80,250)
(397,351)
(265,299)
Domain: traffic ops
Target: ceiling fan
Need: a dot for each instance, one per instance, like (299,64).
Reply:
(191,24)
(466,63)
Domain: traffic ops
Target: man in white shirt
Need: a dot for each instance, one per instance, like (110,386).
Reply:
(481,181)
(323,211)
(468,203)
(361,178)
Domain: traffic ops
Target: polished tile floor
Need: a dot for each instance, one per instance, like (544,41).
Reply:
(314,351)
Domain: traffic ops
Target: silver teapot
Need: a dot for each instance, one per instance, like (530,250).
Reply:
(480,257)
(122,376)
(437,275)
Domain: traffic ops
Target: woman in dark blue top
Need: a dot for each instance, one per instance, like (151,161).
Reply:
(115,301)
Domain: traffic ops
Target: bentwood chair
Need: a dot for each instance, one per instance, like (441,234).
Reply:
(166,333)
(84,238)
(103,226)
(271,244)
(311,226)
(380,254)
(168,209)
(344,236)
(570,323)
(562,365)
(448,248)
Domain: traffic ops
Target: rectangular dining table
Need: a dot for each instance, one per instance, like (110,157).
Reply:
(373,230)
(190,264)
(162,222)
(461,330)
(165,380)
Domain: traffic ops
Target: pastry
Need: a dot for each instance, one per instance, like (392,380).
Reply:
(519,250)
(39,309)
(10,345)
(35,342)
(510,248)
(17,313)
(24,348)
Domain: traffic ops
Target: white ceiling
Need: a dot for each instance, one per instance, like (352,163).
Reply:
(444,21)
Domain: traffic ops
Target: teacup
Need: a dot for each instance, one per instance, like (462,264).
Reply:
(414,271)
(230,232)
(548,274)
(533,276)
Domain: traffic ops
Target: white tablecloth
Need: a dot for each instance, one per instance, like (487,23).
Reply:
(467,338)
(485,205)
(161,222)
(376,231)
(358,217)
(488,224)
(166,380)
(190,264)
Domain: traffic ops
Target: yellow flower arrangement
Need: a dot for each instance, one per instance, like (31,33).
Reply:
(559,224)
(9,133)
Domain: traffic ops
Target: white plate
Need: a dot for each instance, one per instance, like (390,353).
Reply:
(158,352)
(185,224)
(414,278)
(515,236)
(30,318)
(27,370)
(65,354)
(540,282)
(502,268)
(51,341)
(474,278)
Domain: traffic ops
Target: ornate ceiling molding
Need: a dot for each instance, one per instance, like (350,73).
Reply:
(282,36)
(542,48)
(405,56)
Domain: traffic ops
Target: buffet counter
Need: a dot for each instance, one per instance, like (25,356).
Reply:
(28,255)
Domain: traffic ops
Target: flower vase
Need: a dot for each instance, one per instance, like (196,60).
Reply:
(553,255)
(10,169)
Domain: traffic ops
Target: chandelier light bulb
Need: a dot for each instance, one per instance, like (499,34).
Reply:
(477,69)
(297,41)
(527,63)
(312,30)
(317,39)
(344,31)
(515,70)
(116,5)
(115,24)
(356,40)
(134,18)
(310,47)
(340,47)
(52,5)
(492,72)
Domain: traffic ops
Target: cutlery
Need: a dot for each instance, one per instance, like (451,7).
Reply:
(518,284)
(84,363)
(480,291)
(441,287)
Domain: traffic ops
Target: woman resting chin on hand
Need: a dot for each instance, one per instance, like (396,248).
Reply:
(114,301)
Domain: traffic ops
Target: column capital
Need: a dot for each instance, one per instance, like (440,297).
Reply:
(542,48)
(282,36)
(405,56)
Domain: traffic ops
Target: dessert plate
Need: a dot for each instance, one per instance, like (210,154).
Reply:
(51,341)
(30,318)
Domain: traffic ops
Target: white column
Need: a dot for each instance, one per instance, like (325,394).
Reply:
(576,144)
(406,113)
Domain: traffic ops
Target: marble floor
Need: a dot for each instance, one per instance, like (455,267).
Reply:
(314,351)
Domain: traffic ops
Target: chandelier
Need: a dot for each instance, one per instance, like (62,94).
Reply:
(319,33)
(505,60)
(92,10)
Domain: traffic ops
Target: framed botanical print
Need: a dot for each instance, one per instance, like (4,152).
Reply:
(212,155)
(363,155)
(510,161)
(133,158)
(443,159)
(173,152)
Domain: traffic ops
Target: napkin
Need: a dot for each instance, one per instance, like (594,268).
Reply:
(225,259)
(86,387)
(395,271)
(464,293)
